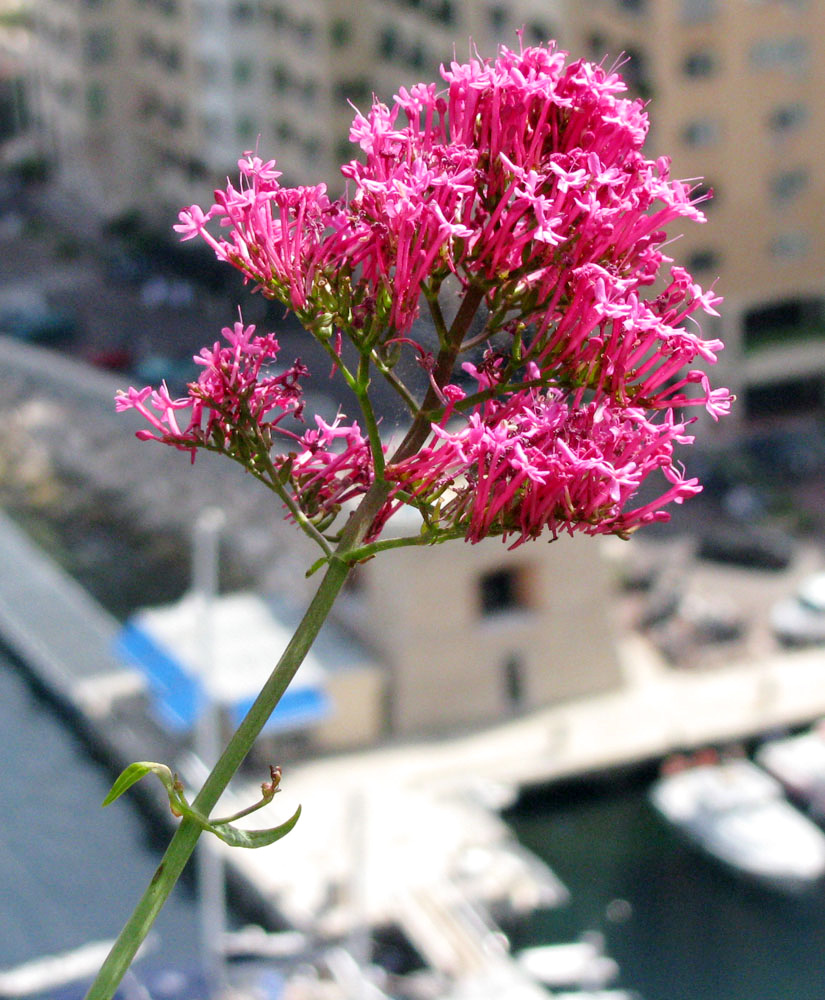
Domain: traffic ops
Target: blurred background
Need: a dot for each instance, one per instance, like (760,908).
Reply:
(524,719)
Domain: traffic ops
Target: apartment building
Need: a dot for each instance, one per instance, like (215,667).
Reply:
(148,103)
(736,99)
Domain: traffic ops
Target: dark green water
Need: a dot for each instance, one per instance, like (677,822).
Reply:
(691,931)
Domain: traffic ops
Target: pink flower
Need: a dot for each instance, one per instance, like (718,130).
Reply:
(522,187)
(233,396)
(533,463)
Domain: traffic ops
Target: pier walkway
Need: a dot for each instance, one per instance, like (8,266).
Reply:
(62,635)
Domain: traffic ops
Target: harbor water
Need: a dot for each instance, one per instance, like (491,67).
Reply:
(680,927)
(70,870)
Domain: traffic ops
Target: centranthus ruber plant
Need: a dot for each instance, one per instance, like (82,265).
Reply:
(498,263)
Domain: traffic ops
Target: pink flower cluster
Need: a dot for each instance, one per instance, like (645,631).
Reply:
(523,184)
(533,461)
(238,408)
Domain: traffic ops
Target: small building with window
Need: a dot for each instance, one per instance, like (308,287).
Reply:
(473,634)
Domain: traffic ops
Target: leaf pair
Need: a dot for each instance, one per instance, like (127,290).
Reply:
(223,829)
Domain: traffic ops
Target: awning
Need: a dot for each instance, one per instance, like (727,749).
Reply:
(188,657)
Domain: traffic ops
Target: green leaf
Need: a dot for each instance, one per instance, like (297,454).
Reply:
(133,773)
(236,837)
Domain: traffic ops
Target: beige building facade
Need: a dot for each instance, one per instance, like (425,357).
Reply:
(735,90)
(147,104)
(473,634)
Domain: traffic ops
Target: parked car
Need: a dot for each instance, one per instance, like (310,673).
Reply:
(175,372)
(799,620)
(128,268)
(38,323)
(740,545)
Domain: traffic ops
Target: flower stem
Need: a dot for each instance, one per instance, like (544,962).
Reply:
(339,564)
(186,836)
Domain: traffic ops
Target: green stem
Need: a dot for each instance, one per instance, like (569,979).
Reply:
(186,836)
(362,392)
(338,568)
(396,384)
(433,537)
(271,480)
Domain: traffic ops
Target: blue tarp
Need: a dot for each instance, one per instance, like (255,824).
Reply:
(178,691)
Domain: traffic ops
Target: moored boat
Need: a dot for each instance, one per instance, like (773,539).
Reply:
(738,814)
(581,964)
(798,762)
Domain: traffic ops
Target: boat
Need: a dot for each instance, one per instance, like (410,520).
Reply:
(799,619)
(581,964)
(738,814)
(798,762)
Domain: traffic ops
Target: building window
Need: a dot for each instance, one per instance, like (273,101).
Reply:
(243,12)
(696,11)
(701,132)
(96,101)
(99,46)
(245,128)
(444,12)
(174,116)
(597,45)
(635,73)
(309,91)
(498,18)
(699,63)
(280,79)
(788,117)
(514,681)
(306,33)
(356,90)
(780,53)
(340,33)
(792,397)
(636,6)
(790,183)
(703,260)
(706,196)
(171,59)
(243,71)
(66,92)
(415,56)
(388,43)
(538,33)
(502,590)
(781,322)
(789,245)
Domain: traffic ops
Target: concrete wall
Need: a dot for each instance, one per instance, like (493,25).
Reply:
(452,662)
(358,696)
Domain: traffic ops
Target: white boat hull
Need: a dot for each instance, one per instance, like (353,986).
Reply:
(737,813)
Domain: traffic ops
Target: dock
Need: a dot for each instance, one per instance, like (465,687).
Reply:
(409,834)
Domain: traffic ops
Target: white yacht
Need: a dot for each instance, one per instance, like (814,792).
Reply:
(798,762)
(581,964)
(737,813)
